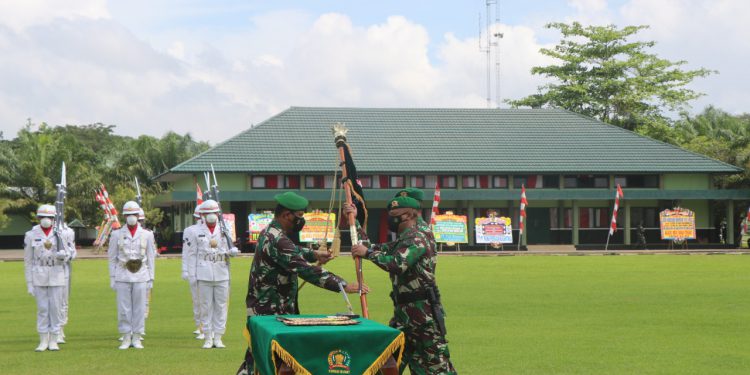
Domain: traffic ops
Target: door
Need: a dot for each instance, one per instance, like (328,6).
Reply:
(538,226)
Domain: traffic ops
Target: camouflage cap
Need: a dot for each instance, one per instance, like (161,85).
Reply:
(403,202)
(292,201)
(415,193)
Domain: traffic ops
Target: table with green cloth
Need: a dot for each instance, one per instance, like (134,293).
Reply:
(351,349)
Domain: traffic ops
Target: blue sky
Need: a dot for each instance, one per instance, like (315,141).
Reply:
(212,68)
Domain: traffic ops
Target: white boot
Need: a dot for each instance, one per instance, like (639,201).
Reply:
(217,342)
(137,341)
(53,342)
(197,331)
(43,342)
(209,343)
(125,341)
(61,337)
(200,336)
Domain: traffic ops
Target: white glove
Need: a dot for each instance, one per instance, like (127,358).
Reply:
(192,280)
(150,284)
(233,251)
(61,255)
(30,288)
(112,283)
(184,275)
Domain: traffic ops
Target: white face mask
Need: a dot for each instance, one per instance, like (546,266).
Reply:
(132,220)
(45,222)
(211,218)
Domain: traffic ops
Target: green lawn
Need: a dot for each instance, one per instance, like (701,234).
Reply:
(657,314)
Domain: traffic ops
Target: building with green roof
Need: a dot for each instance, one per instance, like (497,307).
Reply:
(570,165)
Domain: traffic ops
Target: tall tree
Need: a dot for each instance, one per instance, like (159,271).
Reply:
(605,74)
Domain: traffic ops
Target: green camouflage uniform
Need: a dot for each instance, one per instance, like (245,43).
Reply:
(411,261)
(272,287)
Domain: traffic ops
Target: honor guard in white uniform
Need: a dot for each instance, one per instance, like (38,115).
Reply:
(131,272)
(70,241)
(188,259)
(211,270)
(45,276)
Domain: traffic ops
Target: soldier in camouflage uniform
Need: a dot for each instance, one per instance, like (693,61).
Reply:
(272,288)
(411,261)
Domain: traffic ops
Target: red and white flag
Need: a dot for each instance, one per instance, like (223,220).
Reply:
(435,203)
(198,195)
(613,225)
(522,215)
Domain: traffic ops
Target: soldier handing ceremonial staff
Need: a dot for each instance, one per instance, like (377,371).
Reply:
(45,254)
(411,261)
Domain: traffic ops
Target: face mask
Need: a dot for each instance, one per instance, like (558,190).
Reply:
(46,222)
(132,220)
(299,223)
(393,223)
(211,218)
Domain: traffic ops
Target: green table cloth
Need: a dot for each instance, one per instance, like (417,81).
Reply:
(356,349)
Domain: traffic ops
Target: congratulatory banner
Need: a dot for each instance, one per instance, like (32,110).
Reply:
(493,230)
(315,227)
(677,224)
(256,223)
(450,228)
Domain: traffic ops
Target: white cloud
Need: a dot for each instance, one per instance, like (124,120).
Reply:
(82,65)
(22,14)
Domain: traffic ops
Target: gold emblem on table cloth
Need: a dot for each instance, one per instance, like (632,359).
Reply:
(339,362)
(134,265)
(213,243)
(48,244)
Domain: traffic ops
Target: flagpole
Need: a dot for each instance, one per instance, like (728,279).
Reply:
(339,132)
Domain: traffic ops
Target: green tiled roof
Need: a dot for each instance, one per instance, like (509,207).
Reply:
(389,140)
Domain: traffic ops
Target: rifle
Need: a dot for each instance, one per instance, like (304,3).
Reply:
(60,219)
(60,209)
(138,197)
(215,196)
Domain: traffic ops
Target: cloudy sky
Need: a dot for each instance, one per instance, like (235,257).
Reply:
(213,68)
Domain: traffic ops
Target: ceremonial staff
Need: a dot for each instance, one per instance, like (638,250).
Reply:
(339,134)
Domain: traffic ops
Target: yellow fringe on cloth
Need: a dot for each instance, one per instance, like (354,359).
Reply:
(287,358)
(398,343)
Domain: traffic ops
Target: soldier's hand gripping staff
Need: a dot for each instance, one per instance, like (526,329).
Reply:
(131,270)
(411,262)
(44,259)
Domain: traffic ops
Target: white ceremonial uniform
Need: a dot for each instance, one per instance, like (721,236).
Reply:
(211,270)
(189,261)
(45,277)
(70,243)
(131,288)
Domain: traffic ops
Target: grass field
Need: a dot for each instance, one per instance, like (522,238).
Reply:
(658,314)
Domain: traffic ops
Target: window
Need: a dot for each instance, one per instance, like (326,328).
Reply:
(649,216)
(638,181)
(397,182)
(429,181)
(448,182)
(417,182)
(537,181)
(595,218)
(365,181)
(586,181)
(258,182)
(314,182)
(469,182)
(291,182)
(500,182)
(567,219)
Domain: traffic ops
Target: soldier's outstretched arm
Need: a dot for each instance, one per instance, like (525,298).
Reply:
(403,256)
(288,257)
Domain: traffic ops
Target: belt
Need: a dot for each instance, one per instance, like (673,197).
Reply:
(409,297)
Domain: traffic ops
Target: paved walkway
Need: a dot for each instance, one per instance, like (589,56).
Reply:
(552,250)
